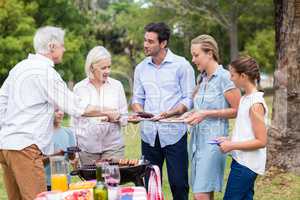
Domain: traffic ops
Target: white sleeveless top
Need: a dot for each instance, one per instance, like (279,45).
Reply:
(253,159)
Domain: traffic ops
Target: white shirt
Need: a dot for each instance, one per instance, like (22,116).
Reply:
(29,96)
(94,136)
(243,131)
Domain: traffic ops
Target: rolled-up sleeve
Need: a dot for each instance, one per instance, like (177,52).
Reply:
(61,96)
(187,85)
(138,90)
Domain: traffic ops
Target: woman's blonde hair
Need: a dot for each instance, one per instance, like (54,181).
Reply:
(95,55)
(208,43)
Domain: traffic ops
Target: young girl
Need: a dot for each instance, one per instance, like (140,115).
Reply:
(249,138)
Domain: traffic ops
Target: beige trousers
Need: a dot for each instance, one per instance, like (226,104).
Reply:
(23,173)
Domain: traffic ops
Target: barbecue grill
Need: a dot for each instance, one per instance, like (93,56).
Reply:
(133,174)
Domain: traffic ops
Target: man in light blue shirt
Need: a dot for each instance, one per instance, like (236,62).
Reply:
(163,86)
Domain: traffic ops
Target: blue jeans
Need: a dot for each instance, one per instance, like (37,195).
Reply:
(176,157)
(240,185)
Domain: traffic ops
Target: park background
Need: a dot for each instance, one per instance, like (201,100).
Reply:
(241,27)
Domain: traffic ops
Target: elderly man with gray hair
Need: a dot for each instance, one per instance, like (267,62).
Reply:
(100,139)
(29,96)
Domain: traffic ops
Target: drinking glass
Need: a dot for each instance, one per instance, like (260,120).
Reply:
(113,177)
(59,170)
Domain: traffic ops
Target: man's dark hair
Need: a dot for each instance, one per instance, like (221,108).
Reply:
(163,31)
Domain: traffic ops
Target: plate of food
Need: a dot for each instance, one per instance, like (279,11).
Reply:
(140,116)
(145,115)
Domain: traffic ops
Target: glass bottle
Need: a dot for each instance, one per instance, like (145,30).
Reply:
(100,189)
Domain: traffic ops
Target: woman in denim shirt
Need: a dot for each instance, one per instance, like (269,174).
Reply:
(215,101)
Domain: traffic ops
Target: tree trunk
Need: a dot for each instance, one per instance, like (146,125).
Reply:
(284,134)
(233,37)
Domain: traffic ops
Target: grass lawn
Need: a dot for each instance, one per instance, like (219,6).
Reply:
(276,185)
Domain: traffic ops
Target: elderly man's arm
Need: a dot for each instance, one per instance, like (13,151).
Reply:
(3,100)
(96,111)
(56,92)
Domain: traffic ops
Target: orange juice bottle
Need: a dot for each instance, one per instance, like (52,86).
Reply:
(59,182)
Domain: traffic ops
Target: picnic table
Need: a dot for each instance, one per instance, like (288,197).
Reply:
(124,192)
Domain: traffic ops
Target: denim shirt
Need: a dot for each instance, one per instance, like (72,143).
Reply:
(210,96)
(159,89)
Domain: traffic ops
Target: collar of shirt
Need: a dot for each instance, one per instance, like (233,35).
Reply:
(169,58)
(109,82)
(41,58)
(216,72)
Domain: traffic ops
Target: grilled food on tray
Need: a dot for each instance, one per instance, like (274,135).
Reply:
(122,162)
(139,116)
(128,162)
(145,115)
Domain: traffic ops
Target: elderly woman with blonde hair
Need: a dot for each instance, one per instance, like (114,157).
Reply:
(216,99)
(100,138)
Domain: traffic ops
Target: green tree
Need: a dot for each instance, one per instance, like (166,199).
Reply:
(78,40)
(262,48)
(17,26)
(19,20)
(226,14)
(283,143)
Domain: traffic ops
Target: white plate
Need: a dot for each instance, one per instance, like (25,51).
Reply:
(172,120)
(213,142)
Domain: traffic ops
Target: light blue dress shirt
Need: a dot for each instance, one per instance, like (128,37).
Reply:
(159,89)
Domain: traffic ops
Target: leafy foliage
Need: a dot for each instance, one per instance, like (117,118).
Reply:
(262,48)
(17,26)
(119,26)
